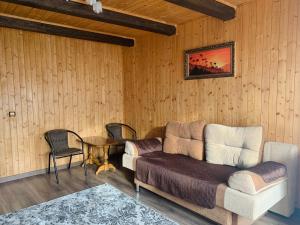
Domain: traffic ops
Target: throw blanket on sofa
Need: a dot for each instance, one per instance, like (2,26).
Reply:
(189,179)
(258,178)
(140,147)
(269,171)
(148,145)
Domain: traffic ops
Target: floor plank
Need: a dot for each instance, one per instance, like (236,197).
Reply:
(23,193)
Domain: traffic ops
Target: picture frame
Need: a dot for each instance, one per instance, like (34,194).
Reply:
(213,61)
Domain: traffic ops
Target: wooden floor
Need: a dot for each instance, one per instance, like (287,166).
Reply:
(30,191)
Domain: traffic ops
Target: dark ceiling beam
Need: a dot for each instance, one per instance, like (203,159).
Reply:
(63,31)
(107,16)
(209,7)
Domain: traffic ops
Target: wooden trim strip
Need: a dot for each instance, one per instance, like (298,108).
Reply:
(36,172)
(39,27)
(107,16)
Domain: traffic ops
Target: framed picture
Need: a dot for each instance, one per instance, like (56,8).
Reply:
(210,62)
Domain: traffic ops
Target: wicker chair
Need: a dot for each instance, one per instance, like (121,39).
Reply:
(115,132)
(59,145)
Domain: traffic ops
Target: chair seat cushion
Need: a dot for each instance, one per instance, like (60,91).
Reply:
(68,152)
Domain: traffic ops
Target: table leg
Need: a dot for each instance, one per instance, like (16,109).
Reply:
(91,159)
(106,165)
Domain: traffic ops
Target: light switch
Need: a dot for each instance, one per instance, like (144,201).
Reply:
(12,114)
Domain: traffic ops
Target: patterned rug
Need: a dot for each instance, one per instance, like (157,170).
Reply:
(103,204)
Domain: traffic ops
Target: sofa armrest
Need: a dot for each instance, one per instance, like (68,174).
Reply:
(286,154)
(258,178)
(140,147)
(129,161)
(254,206)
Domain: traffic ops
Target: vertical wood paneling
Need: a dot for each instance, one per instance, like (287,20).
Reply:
(264,91)
(53,82)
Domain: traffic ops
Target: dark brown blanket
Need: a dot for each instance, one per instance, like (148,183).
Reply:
(270,171)
(147,145)
(189,179)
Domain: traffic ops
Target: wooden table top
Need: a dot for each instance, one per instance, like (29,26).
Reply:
(99,141)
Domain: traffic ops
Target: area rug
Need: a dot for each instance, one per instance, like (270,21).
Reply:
(103,205)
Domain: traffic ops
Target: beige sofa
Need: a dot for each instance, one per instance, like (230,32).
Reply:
(234,146)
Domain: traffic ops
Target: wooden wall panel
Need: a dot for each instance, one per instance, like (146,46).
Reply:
(53,82)
(264,91)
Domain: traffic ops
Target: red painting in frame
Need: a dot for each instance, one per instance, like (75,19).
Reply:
(210,62)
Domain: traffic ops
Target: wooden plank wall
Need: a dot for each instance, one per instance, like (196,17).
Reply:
(265,90)
(53,82)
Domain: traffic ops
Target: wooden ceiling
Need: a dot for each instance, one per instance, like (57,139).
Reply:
(157,10)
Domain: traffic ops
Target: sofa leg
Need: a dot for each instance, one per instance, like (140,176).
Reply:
(137,188)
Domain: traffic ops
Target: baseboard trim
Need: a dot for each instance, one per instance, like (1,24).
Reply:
(35,172)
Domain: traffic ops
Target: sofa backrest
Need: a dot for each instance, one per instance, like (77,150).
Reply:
(185,138)
(233,146)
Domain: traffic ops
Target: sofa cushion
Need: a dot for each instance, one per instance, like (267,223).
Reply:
(185,139)
(233,146)
(258,178)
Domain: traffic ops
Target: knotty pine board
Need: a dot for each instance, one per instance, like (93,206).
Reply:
(53,82)
(265,90)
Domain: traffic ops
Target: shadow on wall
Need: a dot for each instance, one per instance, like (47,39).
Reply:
(156,132)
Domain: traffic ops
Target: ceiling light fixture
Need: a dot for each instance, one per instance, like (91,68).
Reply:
(90,2)
(97,5)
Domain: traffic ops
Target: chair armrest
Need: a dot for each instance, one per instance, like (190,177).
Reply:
(133,131)
(78,138)
(140,147)
(77,135)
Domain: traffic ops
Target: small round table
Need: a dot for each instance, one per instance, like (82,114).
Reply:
(102,143)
